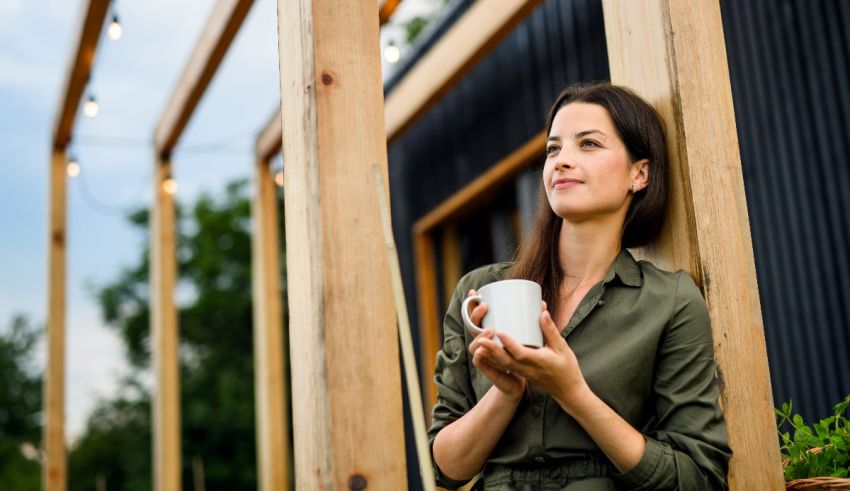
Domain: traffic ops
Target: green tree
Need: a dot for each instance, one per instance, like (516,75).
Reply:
(20,407)
(217,390)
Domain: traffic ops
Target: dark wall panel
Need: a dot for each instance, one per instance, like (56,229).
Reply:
(788,61)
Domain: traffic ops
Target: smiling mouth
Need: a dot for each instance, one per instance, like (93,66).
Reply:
(565,183)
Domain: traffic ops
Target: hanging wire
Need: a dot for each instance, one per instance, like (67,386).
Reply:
(107,208)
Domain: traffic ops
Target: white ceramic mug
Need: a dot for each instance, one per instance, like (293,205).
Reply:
(513,307)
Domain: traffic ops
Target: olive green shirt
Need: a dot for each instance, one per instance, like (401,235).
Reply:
(643,341)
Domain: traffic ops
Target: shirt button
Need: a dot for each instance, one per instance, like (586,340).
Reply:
(535,410)
(601,302)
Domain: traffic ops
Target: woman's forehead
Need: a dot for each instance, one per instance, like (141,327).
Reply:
(579,117)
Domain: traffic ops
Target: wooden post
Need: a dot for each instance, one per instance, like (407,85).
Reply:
(164,334)
(54,470)
(344,347)
(270,383)
(673,53)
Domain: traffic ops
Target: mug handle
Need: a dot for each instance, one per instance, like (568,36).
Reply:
(464,312)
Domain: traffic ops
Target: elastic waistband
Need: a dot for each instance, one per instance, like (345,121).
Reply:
(571,468)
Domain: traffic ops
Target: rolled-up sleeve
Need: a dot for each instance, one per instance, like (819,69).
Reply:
(455,395)
(686,442)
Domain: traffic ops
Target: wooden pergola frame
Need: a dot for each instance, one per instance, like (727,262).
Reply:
(54,470)
(680,75)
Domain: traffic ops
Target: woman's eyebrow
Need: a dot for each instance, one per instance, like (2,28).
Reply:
(587,132)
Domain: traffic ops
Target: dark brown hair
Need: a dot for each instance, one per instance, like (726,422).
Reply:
(640,128)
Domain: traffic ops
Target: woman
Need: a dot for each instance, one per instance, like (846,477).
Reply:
(623,394)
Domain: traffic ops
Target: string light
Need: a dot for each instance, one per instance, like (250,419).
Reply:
(115,30)
(73,167)
(90,107)
(278,178)
(391,53)
(169,186)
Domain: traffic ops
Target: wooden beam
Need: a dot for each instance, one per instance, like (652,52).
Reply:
(54,471)
(485,186)
(164,335)
(425,267)
(269,140)
(221,27)
(452,262)
(686,77)
(270,382)
(79,68)
(473,36)
(344,354)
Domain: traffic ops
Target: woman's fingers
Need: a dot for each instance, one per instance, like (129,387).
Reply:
(551,335)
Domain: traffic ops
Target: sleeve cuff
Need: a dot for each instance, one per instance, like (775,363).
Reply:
(647,470)
(440,478)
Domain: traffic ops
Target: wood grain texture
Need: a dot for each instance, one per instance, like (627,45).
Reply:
(79,68)
(673,53)
(270,383)
(54,471)
(470,38)
(425,268)
(344,346)
(164,336)
(221,27)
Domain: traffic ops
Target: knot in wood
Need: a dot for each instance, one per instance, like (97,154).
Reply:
(357,482)
(327,79)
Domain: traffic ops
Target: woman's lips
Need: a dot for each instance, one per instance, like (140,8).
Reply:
(565,183)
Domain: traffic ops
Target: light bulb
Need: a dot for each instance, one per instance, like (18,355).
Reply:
(391,53)
(169,186)
(90,108)
(114,31)
(73,167)
(278,178)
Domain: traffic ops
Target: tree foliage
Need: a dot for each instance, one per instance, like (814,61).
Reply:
(20,406)
(216,363)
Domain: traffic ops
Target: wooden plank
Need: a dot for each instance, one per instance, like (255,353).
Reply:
(164,336)
(344,355)
(473,36)
(269,140)
(54,471)
(686,76)
(485,186)
(425,264)
(79,68)
(452,263)
(270,383)
(221,27)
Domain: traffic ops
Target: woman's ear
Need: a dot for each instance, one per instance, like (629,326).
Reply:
(640,173)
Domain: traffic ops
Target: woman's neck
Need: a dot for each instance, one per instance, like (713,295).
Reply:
(587,249)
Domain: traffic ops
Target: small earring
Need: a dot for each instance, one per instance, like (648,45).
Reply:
(634,188)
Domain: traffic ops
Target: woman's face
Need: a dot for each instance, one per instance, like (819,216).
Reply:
(587,173)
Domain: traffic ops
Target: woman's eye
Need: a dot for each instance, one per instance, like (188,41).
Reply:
(551,150)
(589,144)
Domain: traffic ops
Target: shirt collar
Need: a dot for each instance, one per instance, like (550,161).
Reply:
(626,268)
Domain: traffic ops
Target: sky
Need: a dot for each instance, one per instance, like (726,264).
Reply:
(132,80)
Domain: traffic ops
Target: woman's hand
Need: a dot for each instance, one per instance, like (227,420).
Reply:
(553,367)
(511,384)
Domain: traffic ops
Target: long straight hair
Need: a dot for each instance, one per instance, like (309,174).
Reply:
(641,130)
